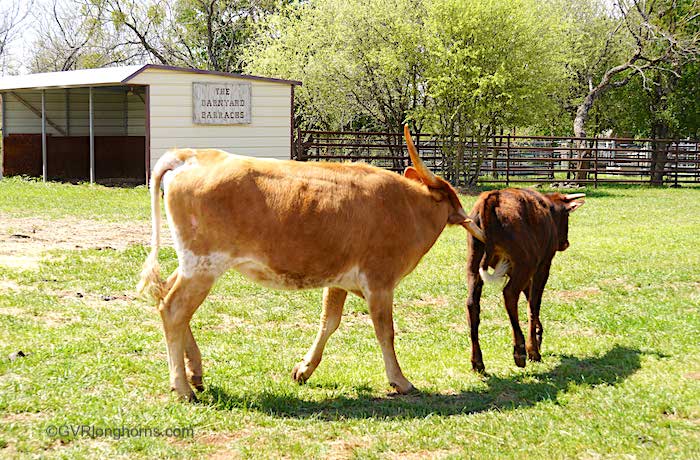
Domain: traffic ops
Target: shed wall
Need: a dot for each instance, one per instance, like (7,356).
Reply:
(171,122)
(109,115)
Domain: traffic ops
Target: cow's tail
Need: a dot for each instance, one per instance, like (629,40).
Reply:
(151,285)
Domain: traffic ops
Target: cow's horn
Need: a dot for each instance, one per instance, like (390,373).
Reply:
(474,230)
(425,174)
(573,196)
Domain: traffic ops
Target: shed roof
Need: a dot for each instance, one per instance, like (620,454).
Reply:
(107,76)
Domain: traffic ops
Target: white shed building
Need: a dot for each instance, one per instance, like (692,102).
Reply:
(114,123)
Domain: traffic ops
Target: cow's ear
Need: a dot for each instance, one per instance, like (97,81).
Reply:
(574,205)
(411,173)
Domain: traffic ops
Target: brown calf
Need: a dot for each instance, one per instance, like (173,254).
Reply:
(290,225)
(519,231)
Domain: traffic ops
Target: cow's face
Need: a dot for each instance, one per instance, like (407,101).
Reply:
(562,206)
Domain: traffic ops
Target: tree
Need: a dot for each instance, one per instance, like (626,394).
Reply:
(360,61)
(490,64)
(651,44)
(11,18)
(70,36)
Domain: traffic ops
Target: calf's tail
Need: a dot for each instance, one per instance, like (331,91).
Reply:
(499,272)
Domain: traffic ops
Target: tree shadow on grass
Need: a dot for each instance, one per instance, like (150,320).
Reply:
(500,393)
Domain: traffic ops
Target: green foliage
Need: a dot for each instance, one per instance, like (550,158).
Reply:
(491,64)
(358,60)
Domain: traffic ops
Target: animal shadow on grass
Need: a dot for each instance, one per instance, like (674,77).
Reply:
(501,393)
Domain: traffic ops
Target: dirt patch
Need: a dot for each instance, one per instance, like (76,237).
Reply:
(577,294)
(224,443)
(22,417)
(23,240)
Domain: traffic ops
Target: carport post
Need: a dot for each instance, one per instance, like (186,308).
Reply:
(92,141)
(44,169)
(3,100)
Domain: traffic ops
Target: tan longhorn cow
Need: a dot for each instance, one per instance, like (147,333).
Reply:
(290,225)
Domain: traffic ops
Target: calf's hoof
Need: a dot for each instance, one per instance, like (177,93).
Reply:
(301,373)
(478,367)
(519,356)
(197,383)
(534,355)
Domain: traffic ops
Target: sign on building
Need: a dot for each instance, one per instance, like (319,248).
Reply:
(221,103)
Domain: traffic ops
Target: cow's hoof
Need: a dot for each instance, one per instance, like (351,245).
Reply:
(185,395)
(301,373)
(404,389)
(478,367)
(197,383)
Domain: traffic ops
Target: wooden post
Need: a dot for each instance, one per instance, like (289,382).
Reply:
(44,169)
(299,146)
(595,163)
(508,160)
(92,137)
(677,165)
(4,132)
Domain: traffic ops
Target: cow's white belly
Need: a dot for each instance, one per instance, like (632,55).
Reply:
(216,263)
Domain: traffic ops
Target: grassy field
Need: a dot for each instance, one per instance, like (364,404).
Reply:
(620,376)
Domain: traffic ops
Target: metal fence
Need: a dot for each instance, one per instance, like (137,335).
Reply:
(516,159)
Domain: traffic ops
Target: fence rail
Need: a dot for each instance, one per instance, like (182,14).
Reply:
(516,159)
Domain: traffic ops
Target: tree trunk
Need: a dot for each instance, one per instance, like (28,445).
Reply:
(580,132)
(659,154)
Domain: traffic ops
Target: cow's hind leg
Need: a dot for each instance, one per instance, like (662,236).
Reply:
(511,293)
(176,310)
(333,301)
(380,309)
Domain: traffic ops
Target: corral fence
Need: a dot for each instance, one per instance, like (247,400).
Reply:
(512,159)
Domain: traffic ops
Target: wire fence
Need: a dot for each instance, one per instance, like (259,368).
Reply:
(506,159)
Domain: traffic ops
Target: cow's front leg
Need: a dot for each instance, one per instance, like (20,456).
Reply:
(380,309)
(333,301)
(176,310)
(193,361)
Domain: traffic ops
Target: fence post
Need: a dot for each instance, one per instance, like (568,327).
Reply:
(298,154)
(676,175)
(508,160)
(595,163)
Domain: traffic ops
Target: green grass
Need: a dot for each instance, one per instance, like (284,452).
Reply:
(619,377)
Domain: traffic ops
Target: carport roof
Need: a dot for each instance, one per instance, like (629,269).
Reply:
(106,76)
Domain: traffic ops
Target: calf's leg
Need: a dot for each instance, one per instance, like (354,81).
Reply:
(511,293)
(475,284)
(380,309)
(333,301)
(534,338)
(176,310)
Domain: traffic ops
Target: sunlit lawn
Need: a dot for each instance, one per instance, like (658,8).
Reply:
(620,376)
